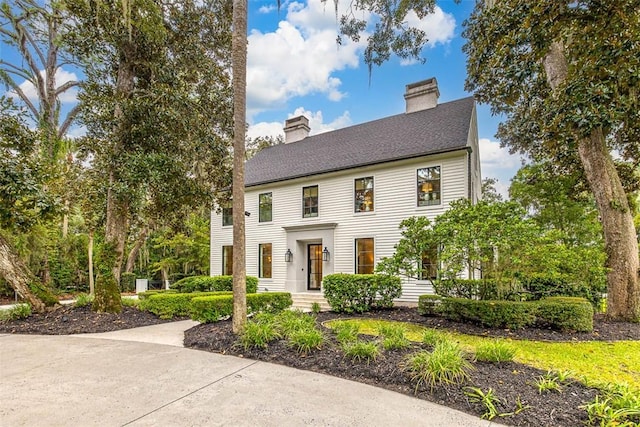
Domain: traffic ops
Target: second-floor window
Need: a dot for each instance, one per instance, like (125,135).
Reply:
(429,186)
(227,260)
(265,201)
(310,201)
(264,260)
(364,256)
(363,199)
(227,215)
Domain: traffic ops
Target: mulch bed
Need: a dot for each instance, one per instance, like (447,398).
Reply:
(512,382)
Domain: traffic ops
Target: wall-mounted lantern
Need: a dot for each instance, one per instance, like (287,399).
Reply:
(288,256)
(325,254)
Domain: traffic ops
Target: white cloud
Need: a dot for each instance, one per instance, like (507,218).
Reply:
(496,162)
(439,26)
(316,123)
(62,76)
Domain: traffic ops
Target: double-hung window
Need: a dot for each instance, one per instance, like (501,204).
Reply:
(227,215)
(264,260)
(363,198)
(429,264)
(429,186)
(265,202)
(364,256)
(310,201)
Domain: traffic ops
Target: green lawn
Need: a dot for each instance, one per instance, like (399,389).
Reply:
(593,362)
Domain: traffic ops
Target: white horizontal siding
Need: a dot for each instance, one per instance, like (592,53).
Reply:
(394,200)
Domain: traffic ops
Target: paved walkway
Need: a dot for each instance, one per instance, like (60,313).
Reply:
(144,377)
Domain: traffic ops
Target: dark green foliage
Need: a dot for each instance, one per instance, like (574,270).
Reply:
(493,314)
(214,308)
(169,305)
(565,314)
(428,305)
(358,293)
(147,294)
(43,293)
(538,286)
(561,313)
(216,283)
(107,295)
(128,282)
(484,289)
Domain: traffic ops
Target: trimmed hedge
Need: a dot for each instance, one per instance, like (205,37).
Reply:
(147,294)
(483,289)
(565,314)
(560,313)
(348,293)
(212,284)
(168,305)
(429,305)
(208,309)
(538,286)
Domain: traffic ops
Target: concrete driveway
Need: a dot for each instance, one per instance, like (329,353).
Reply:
(143,377)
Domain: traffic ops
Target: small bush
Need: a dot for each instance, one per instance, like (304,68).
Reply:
(362,350)
(495,351)
(346,332)
(565,314)
(169,305)
(147,294)
(542,285)
(445,365)
(315,308)
(83,300)
(393,337)
(212,284)
(128,282)
(493,314)
(291,321)
(482,289)
(428,305)
(348,293)
(207,309)
(305,340)
(258,335)
(129,302)
(17,312)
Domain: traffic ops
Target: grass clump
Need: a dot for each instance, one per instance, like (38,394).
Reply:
(305,340)
(489,401)
(83,300)
(289,322)
(360,350)
(550,382)
(445,365)
(434,337)
(495,351)
(393,336)
(130,302)
(17,312)
(346,332)
(617,405)
(258,335)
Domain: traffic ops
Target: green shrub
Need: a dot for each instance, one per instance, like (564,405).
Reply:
(147,294)
(258,335)
(305,340)
(482,289)
(443,366)
(212,284)
(616,406)
(541,285)
(429,305)
(495,351)
(361,350)
(169,305)
(358,293)
(82,300)
(290,321)
(393,336)
(207,309)
(433,336)
(565,314)
(346,332)
(128,282)
(129,302)
(17,312)
(492,314)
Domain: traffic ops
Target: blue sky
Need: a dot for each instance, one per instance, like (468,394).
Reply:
(295,67)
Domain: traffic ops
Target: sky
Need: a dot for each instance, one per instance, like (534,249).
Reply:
(295,67)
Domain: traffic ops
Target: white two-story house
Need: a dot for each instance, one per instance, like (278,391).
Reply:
(332,202)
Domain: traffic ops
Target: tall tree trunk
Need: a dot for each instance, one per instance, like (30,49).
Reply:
(135,250)
(22,280)
(239,66)
(621,245)
(92,289)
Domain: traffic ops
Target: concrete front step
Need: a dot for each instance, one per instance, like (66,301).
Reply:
(304,301)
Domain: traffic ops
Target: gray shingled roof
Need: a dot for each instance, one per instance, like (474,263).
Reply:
(403,136)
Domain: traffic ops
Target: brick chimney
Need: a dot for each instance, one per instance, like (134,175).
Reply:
(422,95)
(295,129)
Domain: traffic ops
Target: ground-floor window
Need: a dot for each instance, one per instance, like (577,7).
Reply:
(264,260)
(364,256)
(227,260)
(429,267)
